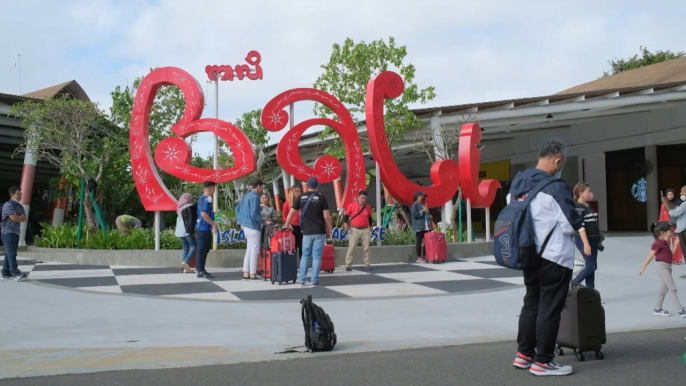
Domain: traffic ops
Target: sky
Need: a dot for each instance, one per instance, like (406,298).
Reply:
(470,51)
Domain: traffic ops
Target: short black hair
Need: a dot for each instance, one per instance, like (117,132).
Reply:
(13,190)
(551,148)
(362,193)
(209,184)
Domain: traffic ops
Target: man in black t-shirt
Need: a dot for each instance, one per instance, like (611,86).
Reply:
(315,222)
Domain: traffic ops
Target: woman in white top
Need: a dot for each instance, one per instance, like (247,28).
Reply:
(188,241)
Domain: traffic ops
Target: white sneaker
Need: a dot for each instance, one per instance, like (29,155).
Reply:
(549,369)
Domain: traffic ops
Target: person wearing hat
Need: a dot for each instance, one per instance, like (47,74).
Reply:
(248,214)
(358,216)
(420,222)
(315,222)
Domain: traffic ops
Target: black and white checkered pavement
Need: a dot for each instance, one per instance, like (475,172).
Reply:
(386,280)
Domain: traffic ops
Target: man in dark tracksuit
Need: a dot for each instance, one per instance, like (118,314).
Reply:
(547,279)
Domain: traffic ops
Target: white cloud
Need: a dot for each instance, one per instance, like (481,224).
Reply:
(471,51)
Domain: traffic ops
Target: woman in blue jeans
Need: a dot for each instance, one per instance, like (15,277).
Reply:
(582,195)
(188,242)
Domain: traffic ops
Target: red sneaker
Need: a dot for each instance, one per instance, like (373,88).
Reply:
(522,361)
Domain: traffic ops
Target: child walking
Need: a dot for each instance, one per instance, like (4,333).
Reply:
(662,253)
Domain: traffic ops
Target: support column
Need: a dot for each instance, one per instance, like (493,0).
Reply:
(286,182)
(338,193)
(652,190)
(277,194)
(469,221)
(158,229)
(27,175)
(215,166)
(378,200)
(60,204)
(488,224)
(441,153)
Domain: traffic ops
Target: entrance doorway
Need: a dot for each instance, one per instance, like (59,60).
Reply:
(671,167)
(624,169)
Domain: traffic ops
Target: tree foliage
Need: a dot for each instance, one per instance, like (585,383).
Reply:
(646,58)
(349,70)
(71,134)
(249,123)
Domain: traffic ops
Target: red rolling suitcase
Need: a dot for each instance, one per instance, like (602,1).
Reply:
(264,265)
(436,248)
(328,259)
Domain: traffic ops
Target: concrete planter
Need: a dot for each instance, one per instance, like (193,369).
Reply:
(233,258)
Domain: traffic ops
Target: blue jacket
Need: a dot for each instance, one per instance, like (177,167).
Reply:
(552,210)
(248,212)
(420,220)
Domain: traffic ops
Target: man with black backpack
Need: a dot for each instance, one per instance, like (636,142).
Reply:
(315,222)
(547,274)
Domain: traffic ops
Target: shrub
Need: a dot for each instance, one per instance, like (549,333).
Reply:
(65,237)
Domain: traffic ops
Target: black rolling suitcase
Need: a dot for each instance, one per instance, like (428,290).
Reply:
(284,267)
(582,323)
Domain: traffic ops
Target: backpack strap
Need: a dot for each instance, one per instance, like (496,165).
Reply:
(539,188)
(530,196)
(306,314)
(302,214)
(545,242)
(358,213)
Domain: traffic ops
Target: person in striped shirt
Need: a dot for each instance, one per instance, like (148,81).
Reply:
(582,195)
(13,215)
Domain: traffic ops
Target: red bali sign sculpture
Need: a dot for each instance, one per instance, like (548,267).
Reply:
(173,154)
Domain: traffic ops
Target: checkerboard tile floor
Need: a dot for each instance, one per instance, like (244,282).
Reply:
(385,280)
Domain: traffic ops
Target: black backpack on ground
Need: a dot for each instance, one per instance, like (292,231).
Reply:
(189,215)
(319,329)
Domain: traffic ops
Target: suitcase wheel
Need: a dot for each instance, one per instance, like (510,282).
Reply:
(579,355)
(280,282)
(599,355)
(559,351)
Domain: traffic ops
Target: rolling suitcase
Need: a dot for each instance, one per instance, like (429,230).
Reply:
(582,323)
(328,259)
(284,267)
(436,248)
(284,262)
(264,265)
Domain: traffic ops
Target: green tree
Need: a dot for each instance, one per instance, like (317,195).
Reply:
(350,67)
(71,134)
(646,58)
(249,123)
